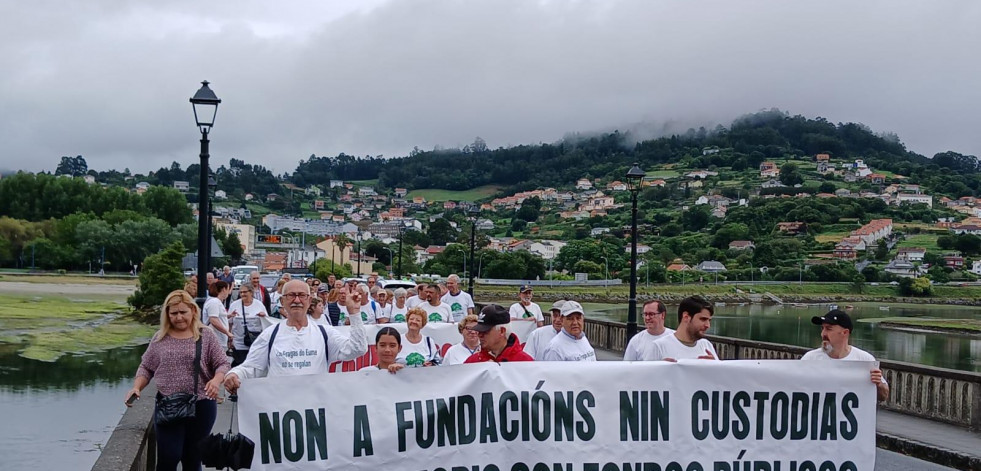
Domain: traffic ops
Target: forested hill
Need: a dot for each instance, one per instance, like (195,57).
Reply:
(746,143)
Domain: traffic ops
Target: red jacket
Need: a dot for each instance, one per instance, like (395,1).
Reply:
(512,352)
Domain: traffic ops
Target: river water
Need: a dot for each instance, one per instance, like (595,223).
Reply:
(791,325)
(58,415)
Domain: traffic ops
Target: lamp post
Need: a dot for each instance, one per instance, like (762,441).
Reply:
(464,251)
(474,214)
(360,257)
(634,177)
(401,234)
(606,277)
(480,263)
(391,257)
(205,105)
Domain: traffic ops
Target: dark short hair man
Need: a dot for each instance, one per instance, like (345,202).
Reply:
(654,315)
(836,330)
(497,343)
(688,342)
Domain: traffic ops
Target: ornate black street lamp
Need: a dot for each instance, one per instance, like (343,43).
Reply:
(205,104)
(474,213)
(635,177)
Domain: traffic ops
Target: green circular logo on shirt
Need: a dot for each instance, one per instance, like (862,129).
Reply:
(456,307)
(527,315)
(364,316)
(435,317)
(399,318)
(343,316)
(414,359)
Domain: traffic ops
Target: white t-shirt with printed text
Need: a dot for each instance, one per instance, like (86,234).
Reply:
(565,347)
(415,354)
(250,313)
(523,312)
(459,304)
(439,313)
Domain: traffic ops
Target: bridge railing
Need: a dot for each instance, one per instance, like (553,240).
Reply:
(941,394)
(132,445)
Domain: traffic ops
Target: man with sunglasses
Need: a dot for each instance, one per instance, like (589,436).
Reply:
(299,346)
(654,312)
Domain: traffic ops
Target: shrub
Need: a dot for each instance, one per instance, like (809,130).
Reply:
(161,274)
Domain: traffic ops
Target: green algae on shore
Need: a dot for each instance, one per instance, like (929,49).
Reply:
(48,327)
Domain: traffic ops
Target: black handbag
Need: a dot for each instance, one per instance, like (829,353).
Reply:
(248,337)
(181,406)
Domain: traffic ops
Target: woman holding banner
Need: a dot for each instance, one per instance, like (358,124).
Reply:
(418,350)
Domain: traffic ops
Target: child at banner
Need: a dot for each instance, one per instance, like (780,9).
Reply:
(388,344)
(418,350)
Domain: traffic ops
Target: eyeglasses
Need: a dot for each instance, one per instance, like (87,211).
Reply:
(300,296)
(244,291)
(651,314)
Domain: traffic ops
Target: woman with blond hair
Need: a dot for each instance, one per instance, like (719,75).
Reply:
(417,349)
(183,358)
(459,353)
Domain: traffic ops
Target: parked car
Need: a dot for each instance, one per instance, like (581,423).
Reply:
(396,284)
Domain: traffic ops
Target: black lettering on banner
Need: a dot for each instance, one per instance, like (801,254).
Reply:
(699,428)
(585,428)
(541,415)
(760,397)
(488,428)
(564,415)
(799,406)
(779,412)
(316,426)
(509,428)
(445,423)
(424,435)
(270,438)
(829,418)
(466,416)
(740,426)
(293,435)
(643,415)
(720,418)
(815,405)
(525,413)
(849,428)
(362,432)
(403,425)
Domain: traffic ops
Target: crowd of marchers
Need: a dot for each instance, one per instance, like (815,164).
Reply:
(202,351)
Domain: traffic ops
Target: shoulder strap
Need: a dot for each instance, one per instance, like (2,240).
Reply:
(197,361)
(429,343)
(270,344)
(323,332)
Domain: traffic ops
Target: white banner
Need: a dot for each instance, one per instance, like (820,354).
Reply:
(775,415)
(445,335)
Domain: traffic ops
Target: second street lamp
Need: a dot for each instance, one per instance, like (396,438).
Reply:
(205,104)
(635,176)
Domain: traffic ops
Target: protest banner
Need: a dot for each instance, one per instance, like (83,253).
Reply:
(443,334)
(776,415)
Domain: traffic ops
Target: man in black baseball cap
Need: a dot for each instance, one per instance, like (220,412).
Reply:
(497,343)
(836,329)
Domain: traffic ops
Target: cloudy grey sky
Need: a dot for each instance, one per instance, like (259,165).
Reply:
(110,79)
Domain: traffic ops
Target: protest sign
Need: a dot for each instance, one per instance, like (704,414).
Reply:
(604,416)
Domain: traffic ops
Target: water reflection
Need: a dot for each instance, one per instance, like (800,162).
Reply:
(58,415)
(789,324)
